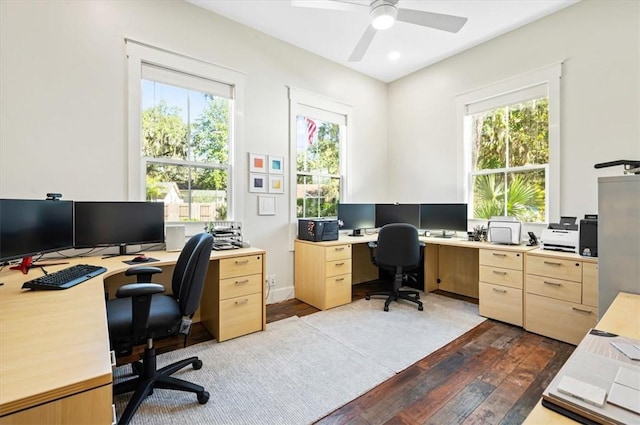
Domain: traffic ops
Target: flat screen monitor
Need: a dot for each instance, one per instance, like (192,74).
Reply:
(31,227)
(357,217)
(397,213)
(118,224)
(443,219)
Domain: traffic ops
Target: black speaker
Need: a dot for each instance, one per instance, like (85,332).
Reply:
(588,237)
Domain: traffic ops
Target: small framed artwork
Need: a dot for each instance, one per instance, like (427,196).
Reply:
(266,205)
(258,182)
(276,164)
(257,163)
(276,183)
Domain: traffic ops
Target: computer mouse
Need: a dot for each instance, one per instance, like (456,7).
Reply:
(140,259)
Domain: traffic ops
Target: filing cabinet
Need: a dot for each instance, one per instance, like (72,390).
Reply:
(233,305)
(325,280)
(501,285)
(561,294)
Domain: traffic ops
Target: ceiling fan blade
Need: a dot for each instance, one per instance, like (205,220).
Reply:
(330,4)
(438,21)
(363,44)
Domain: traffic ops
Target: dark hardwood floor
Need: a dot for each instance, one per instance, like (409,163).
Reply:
(493,374)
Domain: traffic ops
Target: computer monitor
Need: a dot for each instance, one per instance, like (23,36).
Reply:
(118,224)
(31,227)
(443,219)
(357,217)
(397,213)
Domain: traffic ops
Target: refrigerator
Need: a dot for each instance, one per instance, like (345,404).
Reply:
(618,238)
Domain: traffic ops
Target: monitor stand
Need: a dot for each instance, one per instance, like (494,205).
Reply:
(441,234)
(356,232)
(24,266)
(122,250)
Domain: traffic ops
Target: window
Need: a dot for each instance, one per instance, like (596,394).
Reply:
(319,137)
(510,141)
(183,112)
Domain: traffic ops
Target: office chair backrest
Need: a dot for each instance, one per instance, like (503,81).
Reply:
(398,245)
(190,272)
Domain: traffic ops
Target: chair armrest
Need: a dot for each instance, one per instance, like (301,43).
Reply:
(143,273)
(372,246)
(139,289)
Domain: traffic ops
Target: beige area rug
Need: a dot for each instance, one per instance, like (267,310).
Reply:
(301,369)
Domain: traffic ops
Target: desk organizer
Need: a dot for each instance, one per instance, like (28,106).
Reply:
(226,234)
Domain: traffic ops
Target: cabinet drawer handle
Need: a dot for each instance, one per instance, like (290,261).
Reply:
(242,261)
(552,263)
(339,264)
(244,301)
(503,291)
(553,283)
(497,254)
(238,282)
(499,272)
(581,310)
(339,248)
(340,279)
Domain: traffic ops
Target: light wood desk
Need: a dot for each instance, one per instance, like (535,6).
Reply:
(55,365)
(325,271)
(621,318)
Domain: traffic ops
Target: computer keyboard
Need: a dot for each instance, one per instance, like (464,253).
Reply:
(65,278)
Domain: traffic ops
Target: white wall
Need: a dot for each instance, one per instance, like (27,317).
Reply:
(63,114)
(598,43)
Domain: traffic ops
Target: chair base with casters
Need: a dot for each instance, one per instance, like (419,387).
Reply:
(396,293)
(149,378)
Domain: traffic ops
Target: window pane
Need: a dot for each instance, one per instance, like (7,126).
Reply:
(330,194)
(526,196)
(488,195)
(189,193)
(529,133)
(489,130)
(318,146)
(210,129)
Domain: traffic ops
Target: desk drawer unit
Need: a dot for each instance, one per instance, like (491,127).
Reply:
(500,295)
(233,299)
(323,274)
(560,295)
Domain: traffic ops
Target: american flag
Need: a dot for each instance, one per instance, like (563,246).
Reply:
(311,130)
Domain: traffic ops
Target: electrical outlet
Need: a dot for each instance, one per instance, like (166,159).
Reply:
(271,280)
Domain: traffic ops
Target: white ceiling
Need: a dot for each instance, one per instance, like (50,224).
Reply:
(333,34)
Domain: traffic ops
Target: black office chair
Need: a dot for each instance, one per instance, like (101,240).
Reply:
(141,313)
(399,251)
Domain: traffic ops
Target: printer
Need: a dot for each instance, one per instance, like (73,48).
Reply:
(318,230)
(563,236)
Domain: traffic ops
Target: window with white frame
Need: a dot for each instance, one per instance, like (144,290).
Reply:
(511,146)
(184,113)
(319,138)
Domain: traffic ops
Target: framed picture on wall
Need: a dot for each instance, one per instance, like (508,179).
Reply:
(258,182)
(257,163)
(276,183)
(276,164)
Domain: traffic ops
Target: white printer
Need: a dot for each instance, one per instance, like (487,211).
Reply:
(563,236)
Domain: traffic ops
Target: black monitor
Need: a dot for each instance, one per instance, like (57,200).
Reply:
(397,213)
(357,217)
(118,224)
(440,218)
(31,227)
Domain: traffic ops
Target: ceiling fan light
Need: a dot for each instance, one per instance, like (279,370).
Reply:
(383,16)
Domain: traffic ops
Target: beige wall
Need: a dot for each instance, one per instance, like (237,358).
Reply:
(63,103)
(63,100)
(598,43)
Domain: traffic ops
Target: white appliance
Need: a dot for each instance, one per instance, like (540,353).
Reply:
(175,237)
(504,230)
(618,238)
(560,240)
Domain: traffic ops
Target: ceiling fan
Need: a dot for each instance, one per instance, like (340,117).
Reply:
(383,14)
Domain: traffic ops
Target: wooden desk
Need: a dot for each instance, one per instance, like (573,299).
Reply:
(55,366)
(325,271)
(620,318)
